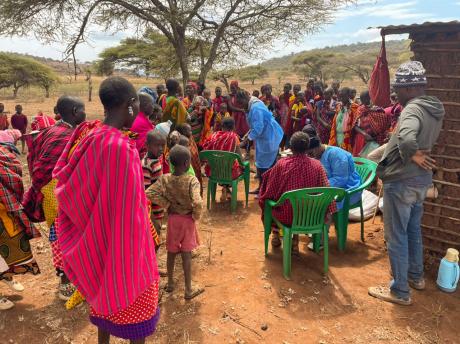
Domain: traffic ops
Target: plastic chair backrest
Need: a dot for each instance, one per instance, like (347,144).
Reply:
(366,170)
(221,164)
(310,205)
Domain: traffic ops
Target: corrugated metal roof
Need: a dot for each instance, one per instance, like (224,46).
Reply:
(427,26)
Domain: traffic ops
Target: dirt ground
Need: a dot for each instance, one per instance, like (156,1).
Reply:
(247,300)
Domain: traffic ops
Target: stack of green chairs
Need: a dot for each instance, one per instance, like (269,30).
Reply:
(367,171)
(309,212)
(221,164)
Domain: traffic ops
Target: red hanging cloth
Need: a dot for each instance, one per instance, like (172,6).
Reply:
(379,83)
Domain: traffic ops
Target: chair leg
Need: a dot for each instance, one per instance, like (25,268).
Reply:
(287,247)
(209,194)
(213,192)
(362,221)
(246,187)
(317,242)
(234,196)
(326,248)
(267,227)
(341,224)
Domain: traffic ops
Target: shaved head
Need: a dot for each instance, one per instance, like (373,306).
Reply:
(71,109)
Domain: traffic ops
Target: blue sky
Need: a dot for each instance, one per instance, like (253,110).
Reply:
(350,26)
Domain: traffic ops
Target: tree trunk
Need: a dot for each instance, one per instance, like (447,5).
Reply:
(15,91)
(227,86)
(253,81)
(47,92)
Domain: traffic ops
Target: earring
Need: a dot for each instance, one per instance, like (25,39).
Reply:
(130,110)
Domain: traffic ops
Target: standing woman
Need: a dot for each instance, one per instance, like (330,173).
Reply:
(173,110)
(104,230)
(264,131)
(237,110)
(344,120)
(371,127)
(15,229)
(325,112)
(191,90)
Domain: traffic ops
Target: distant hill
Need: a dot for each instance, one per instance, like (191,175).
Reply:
(396,51)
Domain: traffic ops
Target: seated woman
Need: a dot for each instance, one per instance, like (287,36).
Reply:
(295,172)
(226,140)
(337,162)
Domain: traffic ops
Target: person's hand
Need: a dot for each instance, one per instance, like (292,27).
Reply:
(423,160)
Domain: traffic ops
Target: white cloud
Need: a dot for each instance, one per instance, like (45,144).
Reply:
(374,9)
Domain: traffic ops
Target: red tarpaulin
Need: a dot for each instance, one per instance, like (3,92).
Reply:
(379,83)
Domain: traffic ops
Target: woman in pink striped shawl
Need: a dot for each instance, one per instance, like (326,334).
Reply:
(107,247)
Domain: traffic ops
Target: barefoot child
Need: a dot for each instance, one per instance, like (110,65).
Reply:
(179,193)
(152,167)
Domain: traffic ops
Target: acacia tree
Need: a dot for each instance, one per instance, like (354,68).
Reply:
(18,71)
(313,64)
(223,75)
(252,73)
(245,26)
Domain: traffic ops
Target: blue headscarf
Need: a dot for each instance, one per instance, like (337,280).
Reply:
(150,92)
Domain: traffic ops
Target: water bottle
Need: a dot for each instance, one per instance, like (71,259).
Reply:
(163,128)
(448,273)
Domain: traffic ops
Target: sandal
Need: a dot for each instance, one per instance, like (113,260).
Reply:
(13,284)
(65,291)
(385,294)
(74,300)
(5,304)
(195,293)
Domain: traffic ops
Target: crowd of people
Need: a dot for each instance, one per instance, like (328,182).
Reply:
(105,187)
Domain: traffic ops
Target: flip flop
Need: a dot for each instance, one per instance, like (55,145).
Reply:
(194,293)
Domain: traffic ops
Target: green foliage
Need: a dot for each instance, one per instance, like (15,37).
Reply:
(152,55)
(17,71)
(252,73)
(341,62)
(103,67)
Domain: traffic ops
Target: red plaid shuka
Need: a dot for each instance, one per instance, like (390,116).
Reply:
(375,122)
(42,121)
(325,109)
(227,141)
(46,150)
(292,173)
(12,189)
(4,124)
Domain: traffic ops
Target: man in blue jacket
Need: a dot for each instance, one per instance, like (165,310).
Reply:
(264,130)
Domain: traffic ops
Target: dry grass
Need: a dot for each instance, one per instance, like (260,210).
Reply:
(33,98)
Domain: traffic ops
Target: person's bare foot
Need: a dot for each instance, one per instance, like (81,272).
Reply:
(193,293)
(169,288)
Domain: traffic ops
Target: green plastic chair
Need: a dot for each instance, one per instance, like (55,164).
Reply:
(367,171)
(221,164)
(309,212)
